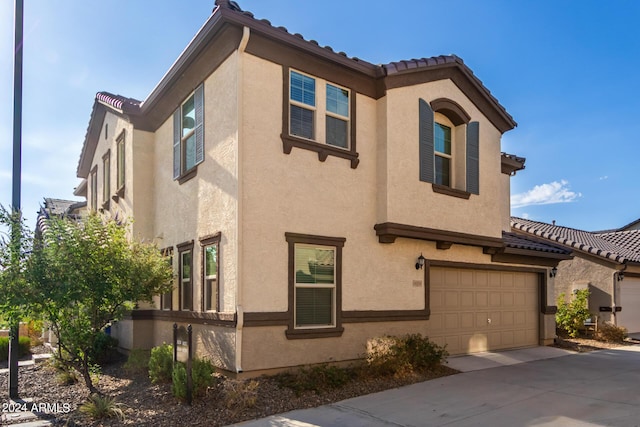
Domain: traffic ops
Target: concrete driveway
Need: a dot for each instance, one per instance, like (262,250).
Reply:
(588,389)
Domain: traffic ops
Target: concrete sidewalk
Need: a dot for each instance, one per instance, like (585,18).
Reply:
(579,389)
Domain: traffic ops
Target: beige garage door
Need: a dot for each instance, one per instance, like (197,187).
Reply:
(629,317)
(480,310)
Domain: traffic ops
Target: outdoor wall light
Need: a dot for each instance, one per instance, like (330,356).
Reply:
(420,262)
(620,276)
(553,272)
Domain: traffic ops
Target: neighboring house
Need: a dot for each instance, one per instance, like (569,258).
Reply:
(605,262)
(58,208)
(309,201)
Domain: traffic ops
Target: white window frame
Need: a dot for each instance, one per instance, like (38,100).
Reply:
(106,177)
(332,286)
(183,281)
(121,161)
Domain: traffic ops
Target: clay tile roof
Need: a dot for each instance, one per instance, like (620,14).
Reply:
(128,105)
(517,241)
(611,246)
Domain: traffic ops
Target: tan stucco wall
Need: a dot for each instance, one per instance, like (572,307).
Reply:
(580,273)
(411,201)
(206,204)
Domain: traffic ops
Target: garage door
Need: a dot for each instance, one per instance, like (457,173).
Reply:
(481,310)
(629,317)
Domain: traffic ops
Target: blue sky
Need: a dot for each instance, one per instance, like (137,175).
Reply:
(565,70)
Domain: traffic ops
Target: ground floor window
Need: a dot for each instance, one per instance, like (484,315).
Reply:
(166,299)
(210,272)
(315,282)
(185,275)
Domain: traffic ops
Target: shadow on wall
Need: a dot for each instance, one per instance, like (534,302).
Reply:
(217,345)
(598,298)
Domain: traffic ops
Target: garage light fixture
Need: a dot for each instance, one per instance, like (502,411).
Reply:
(420,262)
(620,276)
(553,272)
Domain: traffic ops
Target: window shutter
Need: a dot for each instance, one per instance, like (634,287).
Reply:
(426,142)
(199,104)
(473,157)
(177,129)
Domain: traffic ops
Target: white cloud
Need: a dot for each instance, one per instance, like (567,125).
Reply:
(545,194)
(602,178)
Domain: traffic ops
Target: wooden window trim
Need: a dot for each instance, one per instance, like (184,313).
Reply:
(106,180)
(121,140)
(181,248)
(93,185)
(335,331)
(211,240)
(167,252)
(324,150)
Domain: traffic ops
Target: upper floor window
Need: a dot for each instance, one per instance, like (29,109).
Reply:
(120,161)
(449,148)
(93,182)
(319,116)
(331,113)
(442,150)
(188,136)
(106,179)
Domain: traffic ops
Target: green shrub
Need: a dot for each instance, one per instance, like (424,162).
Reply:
(24,347)
(138,361)
(201,373)
(161,364)
(105,349)
(611,333)
(571,315)
(403,355)
(316,378)
(98,407)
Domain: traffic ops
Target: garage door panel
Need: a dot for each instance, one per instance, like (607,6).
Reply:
(629,317)
(466,299)
(482,299)
(483,310)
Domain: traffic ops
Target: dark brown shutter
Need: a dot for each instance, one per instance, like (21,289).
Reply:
(199,106)
(473,157)
(177,133)
(426,142)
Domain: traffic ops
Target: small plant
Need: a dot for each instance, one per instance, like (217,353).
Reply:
(571,315)
(201,374)
(98,407)
(67,377)
(161,364)
(138,361)
(24,347)
(403,355)
(316,378)
(611,333)
(240,395)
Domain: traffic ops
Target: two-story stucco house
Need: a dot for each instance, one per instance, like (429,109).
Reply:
(310,201)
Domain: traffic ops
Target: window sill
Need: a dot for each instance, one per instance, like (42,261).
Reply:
(294,334)
(106,205)
(119,194)
(187,175)
(448,191)
(323,150)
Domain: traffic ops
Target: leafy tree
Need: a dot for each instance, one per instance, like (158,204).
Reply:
(85,274)
(15,247)
(571,315)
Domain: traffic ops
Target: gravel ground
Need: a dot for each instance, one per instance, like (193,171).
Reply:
(147,404)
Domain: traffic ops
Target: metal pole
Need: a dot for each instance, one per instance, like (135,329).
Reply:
(17,173)
(189,365)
